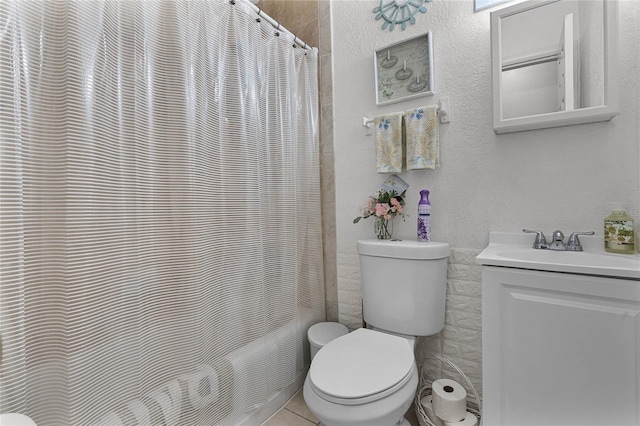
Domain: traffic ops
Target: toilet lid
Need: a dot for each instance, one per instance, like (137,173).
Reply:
(361,364)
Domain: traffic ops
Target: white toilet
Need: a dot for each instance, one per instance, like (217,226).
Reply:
(369,377)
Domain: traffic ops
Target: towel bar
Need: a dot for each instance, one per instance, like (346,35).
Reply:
(366,120)
(443,113)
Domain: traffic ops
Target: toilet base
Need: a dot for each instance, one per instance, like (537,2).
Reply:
(388,411)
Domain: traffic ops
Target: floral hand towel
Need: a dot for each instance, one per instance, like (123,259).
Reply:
(423,138)
(389,143)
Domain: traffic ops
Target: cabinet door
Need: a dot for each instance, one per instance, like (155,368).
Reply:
(560,349)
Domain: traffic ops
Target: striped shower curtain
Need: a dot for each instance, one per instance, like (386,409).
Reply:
(161,253)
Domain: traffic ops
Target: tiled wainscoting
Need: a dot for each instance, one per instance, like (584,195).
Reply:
(461,339)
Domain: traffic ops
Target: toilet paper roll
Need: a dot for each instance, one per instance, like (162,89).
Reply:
(469,420)
(449,400)
(427,405)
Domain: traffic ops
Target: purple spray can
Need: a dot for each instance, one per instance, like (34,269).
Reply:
(424,217)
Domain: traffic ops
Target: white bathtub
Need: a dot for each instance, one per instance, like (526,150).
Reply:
(254,394)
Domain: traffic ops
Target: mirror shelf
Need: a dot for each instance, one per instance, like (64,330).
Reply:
(505,118)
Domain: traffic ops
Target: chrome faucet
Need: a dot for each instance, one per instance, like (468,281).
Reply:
(540,242)
(574,243)
(557,240)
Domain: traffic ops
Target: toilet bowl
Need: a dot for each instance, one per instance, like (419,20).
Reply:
(369,377)
(373,384)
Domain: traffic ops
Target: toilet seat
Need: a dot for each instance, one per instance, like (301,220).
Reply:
(362,366)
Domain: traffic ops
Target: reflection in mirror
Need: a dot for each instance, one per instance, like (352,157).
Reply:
(541,48)
(552,63)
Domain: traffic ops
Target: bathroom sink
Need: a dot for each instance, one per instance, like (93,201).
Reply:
(514,250)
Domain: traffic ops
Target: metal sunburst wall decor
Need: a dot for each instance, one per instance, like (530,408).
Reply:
(398,12)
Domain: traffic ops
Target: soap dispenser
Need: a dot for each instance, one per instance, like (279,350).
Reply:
(618,232)
(424,217)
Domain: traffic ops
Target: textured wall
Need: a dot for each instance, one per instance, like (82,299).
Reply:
(547,179)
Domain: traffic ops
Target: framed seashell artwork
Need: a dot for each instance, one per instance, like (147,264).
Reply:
(404,70)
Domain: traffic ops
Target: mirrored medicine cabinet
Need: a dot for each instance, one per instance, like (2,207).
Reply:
(554,63)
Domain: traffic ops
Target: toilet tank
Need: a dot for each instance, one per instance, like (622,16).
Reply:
(404,285)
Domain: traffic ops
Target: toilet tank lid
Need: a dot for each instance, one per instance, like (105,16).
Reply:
(403,249)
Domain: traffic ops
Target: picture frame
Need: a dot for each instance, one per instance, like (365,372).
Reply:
(485,4)
(404,70)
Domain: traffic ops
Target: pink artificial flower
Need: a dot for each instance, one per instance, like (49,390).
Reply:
(381,209)
(395,203)
(371,205)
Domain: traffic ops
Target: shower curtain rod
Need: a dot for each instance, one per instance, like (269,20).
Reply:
(275,24)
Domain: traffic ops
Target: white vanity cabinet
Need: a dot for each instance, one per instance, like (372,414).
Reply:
(559,349)
(560,334)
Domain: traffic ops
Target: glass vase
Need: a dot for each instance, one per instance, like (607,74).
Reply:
(383,228)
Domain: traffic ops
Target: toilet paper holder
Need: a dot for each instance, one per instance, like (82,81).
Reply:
(474,403)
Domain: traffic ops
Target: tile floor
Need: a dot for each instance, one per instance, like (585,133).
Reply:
(296,413)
